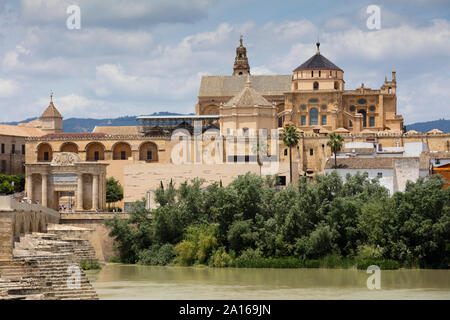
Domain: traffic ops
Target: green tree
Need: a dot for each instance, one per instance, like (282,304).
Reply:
(6,188)
(114,191)
(131,235)
(290,138)
(335,142)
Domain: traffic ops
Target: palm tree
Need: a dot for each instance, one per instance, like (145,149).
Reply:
(260,149)
(335,143)
(290,138)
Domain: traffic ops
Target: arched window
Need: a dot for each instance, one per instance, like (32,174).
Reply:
(69,147)
(313,117)
(336,85)
(121,151)
(45,152)
(296,86)
(316,85)
(148,151)
(95,151)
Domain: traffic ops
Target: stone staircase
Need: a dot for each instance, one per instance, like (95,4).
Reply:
(45,267)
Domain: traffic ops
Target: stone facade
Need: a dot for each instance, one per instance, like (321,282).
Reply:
(313,98)
(67,176)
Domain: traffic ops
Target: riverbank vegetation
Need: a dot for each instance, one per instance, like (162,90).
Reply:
(327,223)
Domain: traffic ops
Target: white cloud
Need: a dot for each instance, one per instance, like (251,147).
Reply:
(261,70)
(117,13)
(8,88)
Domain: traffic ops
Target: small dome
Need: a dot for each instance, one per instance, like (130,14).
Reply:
(248,97)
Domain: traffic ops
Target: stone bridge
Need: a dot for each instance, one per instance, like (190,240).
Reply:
(17,219)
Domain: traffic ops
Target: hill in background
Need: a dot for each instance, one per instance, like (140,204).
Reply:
(88,124)
(441,124)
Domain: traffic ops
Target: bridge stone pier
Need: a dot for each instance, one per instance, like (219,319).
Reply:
(18,219)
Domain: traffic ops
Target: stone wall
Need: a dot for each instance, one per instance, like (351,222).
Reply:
(98,234)
(47,266)
(18,218)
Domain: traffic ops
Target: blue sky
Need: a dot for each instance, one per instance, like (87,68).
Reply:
(138,57)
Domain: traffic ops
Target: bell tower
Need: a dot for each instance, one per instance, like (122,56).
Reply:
(51,119)
(241,66)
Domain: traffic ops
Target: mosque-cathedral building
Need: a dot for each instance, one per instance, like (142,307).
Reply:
(313,98)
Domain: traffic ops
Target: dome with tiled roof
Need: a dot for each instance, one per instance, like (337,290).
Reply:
(317,62)
(51,111)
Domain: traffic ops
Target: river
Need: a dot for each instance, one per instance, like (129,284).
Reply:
(119,281)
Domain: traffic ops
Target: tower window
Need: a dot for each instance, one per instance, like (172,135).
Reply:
(390,90)
(240,73)
(312,74)
(23,149)
(319,73)
(336,85)
(316,85)
(311,152)
(280,122)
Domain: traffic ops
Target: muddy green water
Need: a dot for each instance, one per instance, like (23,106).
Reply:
(118,281)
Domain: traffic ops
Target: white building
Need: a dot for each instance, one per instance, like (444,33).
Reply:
(392,172)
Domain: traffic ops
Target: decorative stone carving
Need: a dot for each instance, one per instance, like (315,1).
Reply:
(65,159)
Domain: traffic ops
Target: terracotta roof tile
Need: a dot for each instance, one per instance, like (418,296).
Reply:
(229,86)
(19,131)
(51,112)
(117,130)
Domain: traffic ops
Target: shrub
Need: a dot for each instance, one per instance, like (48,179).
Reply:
(272,262)
(311,264)
(114,260)
(90,265)
(186,252)
(221,258)
(335,261)
(385,264)
(157,255)
(369,252)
